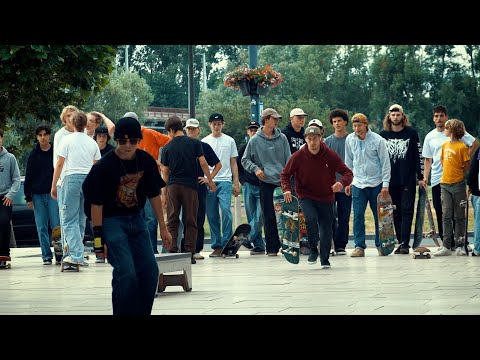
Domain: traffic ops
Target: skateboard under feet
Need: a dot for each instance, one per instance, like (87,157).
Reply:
(67,266)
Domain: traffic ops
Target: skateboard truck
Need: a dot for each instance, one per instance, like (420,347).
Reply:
(421,253)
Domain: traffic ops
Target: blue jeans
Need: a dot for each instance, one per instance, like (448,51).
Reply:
(341,221)
(72,215)
(360,197)
(476,222)
(223,198)
(152,224)
(251,199)
(45,210)
(135,271)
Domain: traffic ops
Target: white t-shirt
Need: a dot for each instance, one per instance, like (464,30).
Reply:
(225,148)
(79,151)
(432,146)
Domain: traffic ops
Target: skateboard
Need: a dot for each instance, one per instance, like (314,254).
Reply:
(277,205)
(70,267)
(57,244)
(432,233)
(5,262)
(465,241)
(386,229)
(420,217)
(421,253)
(304,247)
(291,231)
(239,236)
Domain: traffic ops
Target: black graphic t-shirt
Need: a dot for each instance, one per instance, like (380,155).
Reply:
(405,151)
(122,186)
(295,139)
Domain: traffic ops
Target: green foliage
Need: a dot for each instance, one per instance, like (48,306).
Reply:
(125,91)
(41,79)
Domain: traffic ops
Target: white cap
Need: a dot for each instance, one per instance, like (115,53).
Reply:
(297,112)
(131,114)
(192,123)
(315,122)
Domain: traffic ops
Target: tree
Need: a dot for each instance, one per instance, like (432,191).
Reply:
(125,91)
(41,79)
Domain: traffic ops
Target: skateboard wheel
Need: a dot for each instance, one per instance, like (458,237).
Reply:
(236,256)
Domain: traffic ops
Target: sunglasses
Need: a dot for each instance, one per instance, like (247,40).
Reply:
(131,141)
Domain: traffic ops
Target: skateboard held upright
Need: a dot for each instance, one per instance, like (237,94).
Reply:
(432,233)
(239,236)
(277,205)
(386,229)
(420,217)
(290,235)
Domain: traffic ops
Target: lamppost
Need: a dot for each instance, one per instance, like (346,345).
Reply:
(254,103)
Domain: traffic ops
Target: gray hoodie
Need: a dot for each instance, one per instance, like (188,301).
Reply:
(269,154)
(9,174)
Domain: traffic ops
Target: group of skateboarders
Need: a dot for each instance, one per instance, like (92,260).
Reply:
(192,178)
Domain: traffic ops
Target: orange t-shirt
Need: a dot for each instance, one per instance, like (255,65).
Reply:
(152,141)
(453,157)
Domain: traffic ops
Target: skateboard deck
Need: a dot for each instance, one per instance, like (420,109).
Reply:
(465,241)
(239,236)
(420,217)
(7,260)
(277,205)
(421,253)
(304,247)
(386,229)
(291,231)
(432,233)
(57,244)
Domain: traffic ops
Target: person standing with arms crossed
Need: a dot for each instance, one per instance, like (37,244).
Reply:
(404,149)
(341,223)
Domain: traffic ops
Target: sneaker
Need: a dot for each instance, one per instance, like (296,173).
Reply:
(193,261)
(216,253)
(326,266)
(402,249)
(460,251)
(100,260)
(3,263)
(84,263)
(474,253)
(47,262)
(442,251)
(469,248)
(197,256)
(358,252)
(312,258)
(248,245)
(272,254)
(340,251)
(257,251)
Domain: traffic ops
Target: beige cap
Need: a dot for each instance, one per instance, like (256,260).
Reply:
(313,130)
(396,107)
(270,112)
(192,123)
(297,112)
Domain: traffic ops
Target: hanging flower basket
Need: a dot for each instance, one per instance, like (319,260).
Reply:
(259,80)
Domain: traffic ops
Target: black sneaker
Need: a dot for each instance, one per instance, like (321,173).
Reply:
(312,258)
(248,245)
(47,262)
(402,249)
(193,260)
(326,265)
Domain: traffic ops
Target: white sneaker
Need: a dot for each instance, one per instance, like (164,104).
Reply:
(460,251)
(442,251)
(325,267)
(68,259)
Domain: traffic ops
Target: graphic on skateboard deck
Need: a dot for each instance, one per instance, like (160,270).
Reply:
(277,205)
(57,244)
(239,236)
(386,229)
(290,237)
(304,247)
(421,253)
(5,262)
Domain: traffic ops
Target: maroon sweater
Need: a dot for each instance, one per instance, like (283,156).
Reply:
(315,174)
